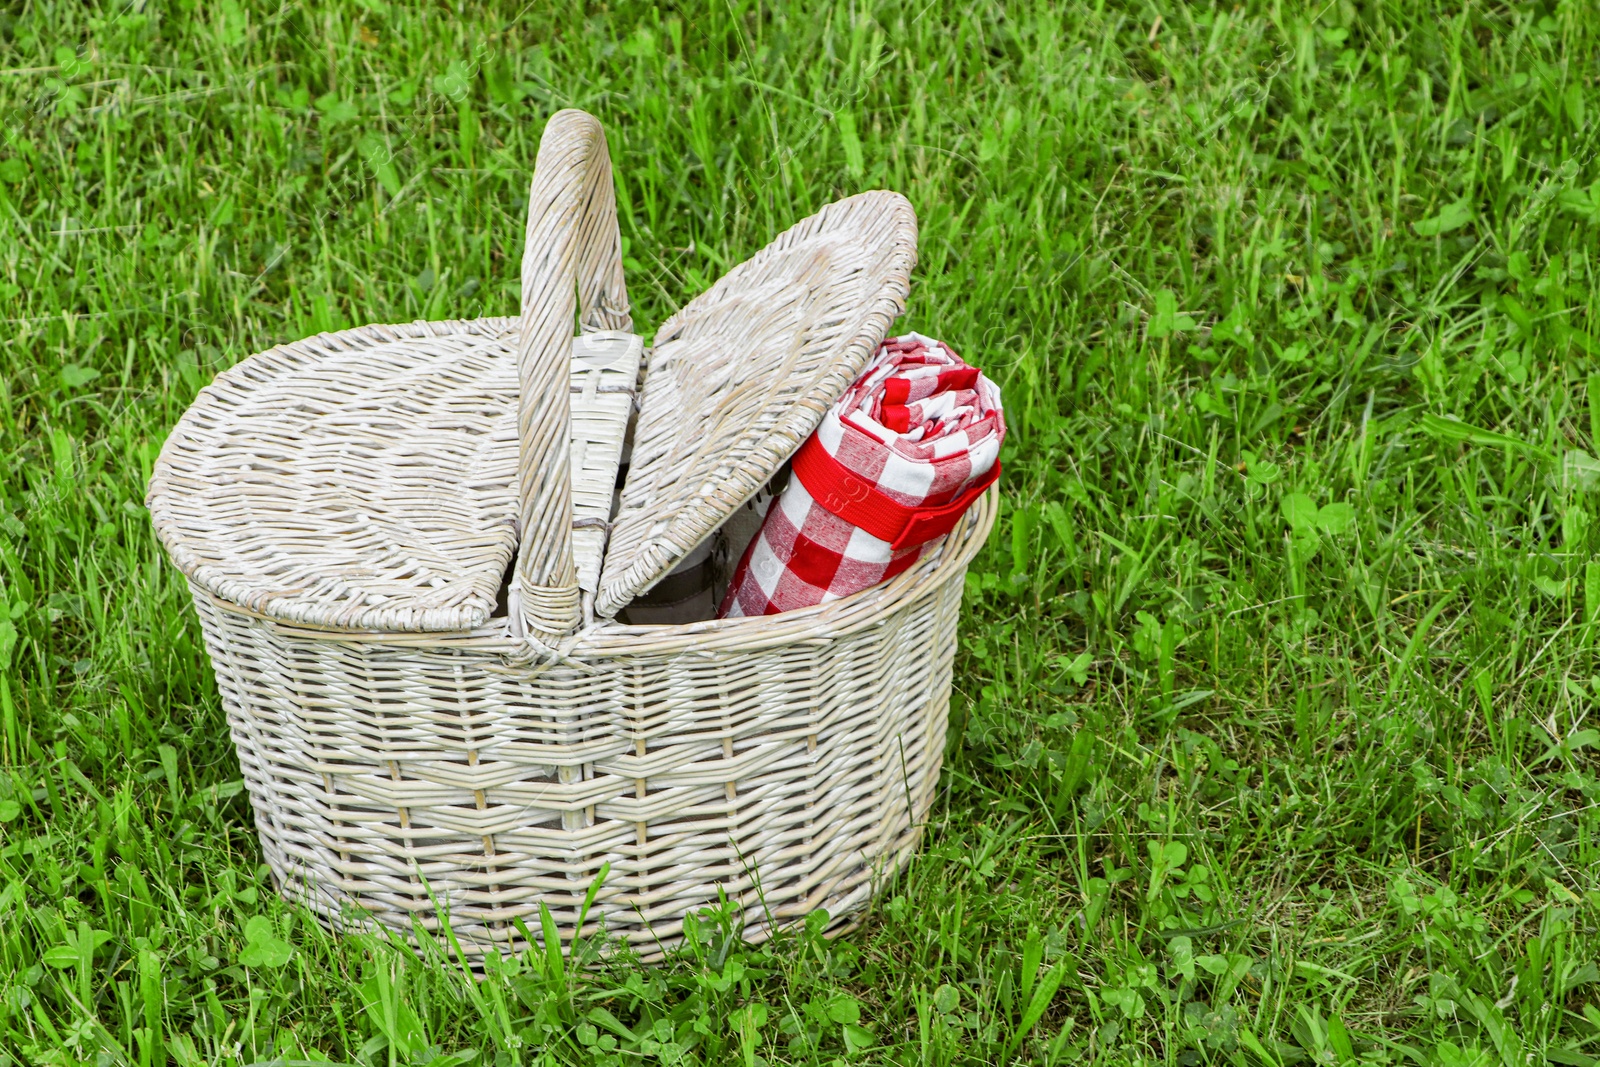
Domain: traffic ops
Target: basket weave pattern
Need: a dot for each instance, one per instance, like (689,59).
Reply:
(403,779)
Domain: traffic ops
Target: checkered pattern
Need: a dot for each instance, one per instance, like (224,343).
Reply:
(919,427)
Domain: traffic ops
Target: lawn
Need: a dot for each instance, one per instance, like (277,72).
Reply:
(1275,736)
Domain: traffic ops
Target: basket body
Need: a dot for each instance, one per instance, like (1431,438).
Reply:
(393,536)
(426,779)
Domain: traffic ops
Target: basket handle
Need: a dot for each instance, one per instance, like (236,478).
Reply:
(573,253)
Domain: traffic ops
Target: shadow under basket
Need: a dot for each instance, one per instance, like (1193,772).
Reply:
(348,509)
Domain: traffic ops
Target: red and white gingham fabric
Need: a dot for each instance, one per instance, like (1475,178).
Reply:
(893,466)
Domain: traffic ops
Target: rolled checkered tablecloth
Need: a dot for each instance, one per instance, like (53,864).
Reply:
(893,467)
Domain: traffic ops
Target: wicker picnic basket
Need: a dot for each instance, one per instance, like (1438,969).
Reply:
(403,549)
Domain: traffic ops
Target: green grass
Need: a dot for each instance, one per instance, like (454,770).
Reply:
(1275,736)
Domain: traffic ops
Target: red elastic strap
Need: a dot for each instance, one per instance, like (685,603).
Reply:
(843,493)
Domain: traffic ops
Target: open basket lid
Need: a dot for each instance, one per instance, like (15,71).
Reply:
(744,374)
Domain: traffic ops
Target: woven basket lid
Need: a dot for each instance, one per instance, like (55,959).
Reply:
(360,479)
(367,479)
(744,373)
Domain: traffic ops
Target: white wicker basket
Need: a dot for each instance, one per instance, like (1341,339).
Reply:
(346,509)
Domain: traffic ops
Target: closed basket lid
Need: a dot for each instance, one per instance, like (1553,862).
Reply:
(360,480)
(367,479)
